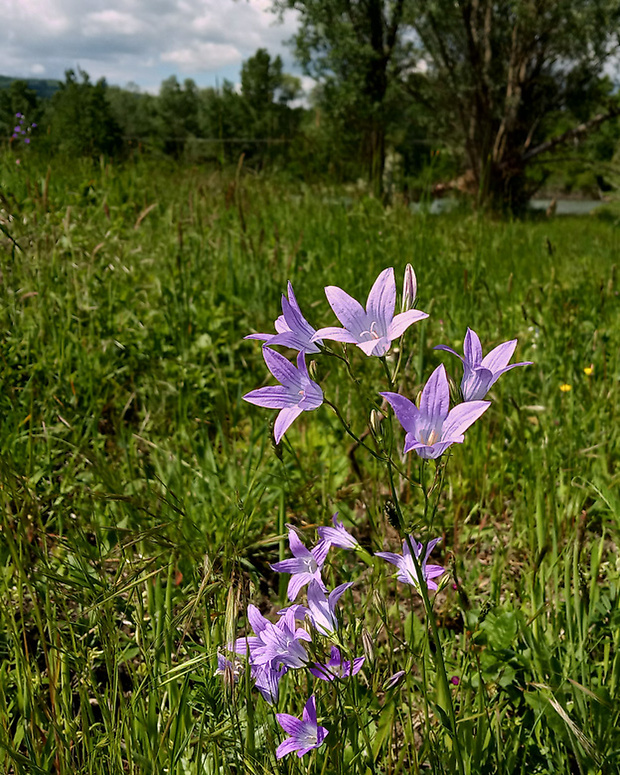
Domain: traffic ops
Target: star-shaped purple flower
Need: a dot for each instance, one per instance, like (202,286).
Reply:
(338,535)
(322,607)
(293,330)
(305,734)
(480,373)
(296,394)
(432,428)
(273,644)
(267,681)
(372,329)
(337,667)
(305,565)
(407,572)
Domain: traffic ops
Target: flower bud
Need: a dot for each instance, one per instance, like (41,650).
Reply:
(410,288)
(368,645)
(375,422)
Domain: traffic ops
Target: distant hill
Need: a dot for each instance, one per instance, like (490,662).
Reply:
(44,87)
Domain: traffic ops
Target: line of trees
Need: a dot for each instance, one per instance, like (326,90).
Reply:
(497,85)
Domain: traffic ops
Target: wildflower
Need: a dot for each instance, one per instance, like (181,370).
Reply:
(431,429)
(273,644)
(267,681)
(293,330)
(407,572)
(338,535)
(480,373)
(455,680)
(374,328)
(230,670)
(305,565)
(394,680)
(296,394)
(565,388)
(410,288)
(305,734)
(337,667)
(588,370)
(322,608)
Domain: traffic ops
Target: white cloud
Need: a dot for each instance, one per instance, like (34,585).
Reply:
(203,56)
(140,40)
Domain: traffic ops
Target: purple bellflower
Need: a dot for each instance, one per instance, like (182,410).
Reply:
(305,734)
(267,681)
(273,644)
(305,565)
(432,428)
(480,373)
(374,328)
(322,607)
(338,535)
(337,667)
(407,572)
(297,393)
(230,670)
(293,330)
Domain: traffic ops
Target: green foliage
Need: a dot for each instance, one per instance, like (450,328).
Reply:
(81,121)
(141,502)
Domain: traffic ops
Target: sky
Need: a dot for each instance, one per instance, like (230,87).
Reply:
(140,41)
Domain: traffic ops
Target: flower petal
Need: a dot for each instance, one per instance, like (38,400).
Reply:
(272,397)
(499,373)
(262,337)
(297,546)
(472,349)
(498,357)
(284,421)
(335,334)
(309,712)
(476,382)
(435,398)
(405,410)
(296,584)
(376,347)
(461,417)
(347,309)
(402,322)
(281,369)
(256,619)
(287,746)
(448,350)
(382,299)
(290,724)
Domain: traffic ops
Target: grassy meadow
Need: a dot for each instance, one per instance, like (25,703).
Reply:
(142,500)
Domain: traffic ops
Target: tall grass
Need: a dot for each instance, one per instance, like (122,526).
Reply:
(142,501)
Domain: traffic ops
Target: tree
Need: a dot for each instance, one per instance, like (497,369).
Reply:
(266,92)
(499,72)
(80,118)
(357,50)
(177,109)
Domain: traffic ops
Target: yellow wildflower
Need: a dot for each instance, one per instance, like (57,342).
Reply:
(566,388)
(588,370)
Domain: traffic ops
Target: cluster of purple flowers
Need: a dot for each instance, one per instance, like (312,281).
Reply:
(22,131)
(276,648)
(431,427)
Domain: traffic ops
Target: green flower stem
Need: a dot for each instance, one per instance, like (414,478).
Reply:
(423,589)
(354,436)
(439,660)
